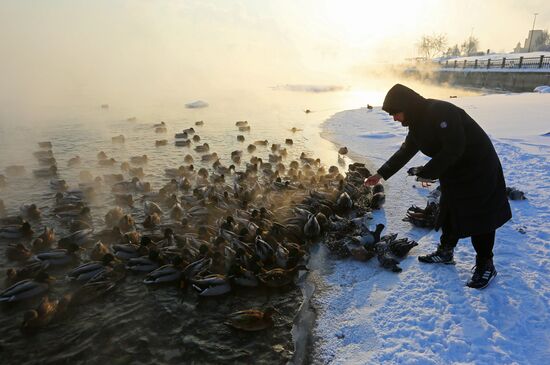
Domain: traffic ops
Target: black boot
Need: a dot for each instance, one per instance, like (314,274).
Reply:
(484,272)
(443,255)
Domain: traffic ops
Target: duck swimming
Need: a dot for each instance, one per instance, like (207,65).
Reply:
(18,252)
(166,274)
(204,148)
(74,161)
(212,285)
(17,231)
(27,289)
(145,264)
(86,271)
(47,172)
(46,311)
(58,257)
(251,319)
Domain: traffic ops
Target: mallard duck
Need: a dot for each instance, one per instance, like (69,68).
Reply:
(183,143)
(199,122)
(98,251)
(378,188)
(107,162)
(344,202)
(145,264)
(86,271)
(263,249)
(46,311)
(133,237)
(80,238)
(59,185)
(181,135)
(113,216)
(74,161)
(29,271)
(151,221)
(196,138)
(189,130)
(46,172)
(125,166)
(166,274)
(16,231)
(244,277)
(368,237)
(278,277)
(46,239)
(241,123)
(161,124)
(240,138)
(47,161)
(251,319)
(177,212)
(188,158)
(312,228)
(251,148)
(204,148)
(191,270)
(126,223)
(138,160)
(128,251)
(109,236)
(26,289)
(58,257)
(161,142)
(151,207)
(289,141)
(212,285)
(18,252)
(118,139)
(378,200)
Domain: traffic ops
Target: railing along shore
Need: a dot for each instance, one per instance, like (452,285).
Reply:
(541,62)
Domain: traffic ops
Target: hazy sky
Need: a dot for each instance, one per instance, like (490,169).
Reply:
(55,51)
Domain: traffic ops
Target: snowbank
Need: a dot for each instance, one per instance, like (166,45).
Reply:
(426,315)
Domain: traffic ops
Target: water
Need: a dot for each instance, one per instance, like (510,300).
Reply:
(137,324)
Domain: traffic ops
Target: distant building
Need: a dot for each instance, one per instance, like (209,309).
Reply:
(532,39)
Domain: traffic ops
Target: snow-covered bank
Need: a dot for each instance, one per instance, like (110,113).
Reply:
(426,315)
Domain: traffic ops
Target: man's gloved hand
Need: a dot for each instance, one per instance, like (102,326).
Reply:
(413,171)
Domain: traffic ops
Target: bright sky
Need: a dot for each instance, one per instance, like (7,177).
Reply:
(57,49)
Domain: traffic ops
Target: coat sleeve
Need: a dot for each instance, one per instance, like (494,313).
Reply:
(450,133)
(403,155)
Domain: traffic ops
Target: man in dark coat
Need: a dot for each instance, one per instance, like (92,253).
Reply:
(473,195)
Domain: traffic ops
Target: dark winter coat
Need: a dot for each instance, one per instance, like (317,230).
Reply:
(473,195)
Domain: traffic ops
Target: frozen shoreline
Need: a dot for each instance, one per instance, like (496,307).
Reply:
(426,314)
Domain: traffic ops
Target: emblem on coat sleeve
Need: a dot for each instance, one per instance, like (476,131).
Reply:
(443,124)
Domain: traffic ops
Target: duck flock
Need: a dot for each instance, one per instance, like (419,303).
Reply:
(209,229)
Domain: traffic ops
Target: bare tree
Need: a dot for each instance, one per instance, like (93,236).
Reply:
(430,46)
(543,42)
(469,47)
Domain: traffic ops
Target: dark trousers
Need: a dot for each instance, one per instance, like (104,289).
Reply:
(483,243)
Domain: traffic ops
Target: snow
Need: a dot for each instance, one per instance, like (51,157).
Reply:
(498,56)
(426,314)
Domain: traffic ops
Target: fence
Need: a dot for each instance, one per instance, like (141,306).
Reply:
(503,63)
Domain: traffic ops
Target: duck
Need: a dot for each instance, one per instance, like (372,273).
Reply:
(312,229)
(369,238)
(58,257)
(150,207)
(241,123)
(47,161)
(261,142)
(161,124)
(26,289)
(196,138)
(126,223)
(118,139)
(161,142)
(184,143)
(128,251)
(166,274)
(113,216)
(204,148)
(124,199)
(74,161)
(29,271)
(188,158)
(30,211)
(181,135)
(16,231)
(343,151)
(46,172)
(59,185)
(17,252)
(199,122)
(240,138)
(138,160)
(289,141)
(151,221)
(80,238)
(279,277)
(378,188)
(125,166)
(98,251)
(212,285)
(244,128)
(145,264)
(251,148)
(189,130)
(109,235)
(177,212)
(86,271)
(106,162)
(47,237)
(251,319)
(243,277)
(46,311)
(378,200)
(344,202)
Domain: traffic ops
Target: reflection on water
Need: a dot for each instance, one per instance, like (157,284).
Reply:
(163,325)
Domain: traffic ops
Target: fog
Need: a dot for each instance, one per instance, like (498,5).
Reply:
(58,55)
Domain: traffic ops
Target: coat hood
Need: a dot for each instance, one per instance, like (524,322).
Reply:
(402,99)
